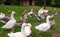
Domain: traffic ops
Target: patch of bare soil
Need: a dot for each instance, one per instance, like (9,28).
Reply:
(57,32)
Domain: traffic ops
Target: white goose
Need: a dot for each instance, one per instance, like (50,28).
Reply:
(2,15)
(10,24)
(19,34)
(44,26)
(42,13)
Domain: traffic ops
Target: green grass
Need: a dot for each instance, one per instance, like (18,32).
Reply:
(19,10)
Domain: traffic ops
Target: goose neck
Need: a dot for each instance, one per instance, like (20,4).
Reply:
(47,20)
(22,30)
(12,16)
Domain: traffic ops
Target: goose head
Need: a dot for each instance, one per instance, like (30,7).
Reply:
(13,12)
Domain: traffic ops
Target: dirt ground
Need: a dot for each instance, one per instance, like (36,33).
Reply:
(57,32)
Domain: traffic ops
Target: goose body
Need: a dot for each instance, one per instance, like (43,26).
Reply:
(17,34)
(44,26)
(10,23)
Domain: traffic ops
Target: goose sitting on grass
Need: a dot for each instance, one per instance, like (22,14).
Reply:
(2,15)
(20,34)
(10,24)
(23,18)
(6,18)
(17,34)
(42,13)
(44,26)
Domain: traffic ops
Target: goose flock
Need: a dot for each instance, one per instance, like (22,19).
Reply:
(10,21)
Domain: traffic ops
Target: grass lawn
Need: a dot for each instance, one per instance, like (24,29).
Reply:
(19,10)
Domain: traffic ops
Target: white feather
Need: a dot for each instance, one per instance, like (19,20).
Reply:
(44,26)
(17,34)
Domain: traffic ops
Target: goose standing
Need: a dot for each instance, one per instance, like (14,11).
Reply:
(6,18)
(10,24)
(44,26)
(19,34)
